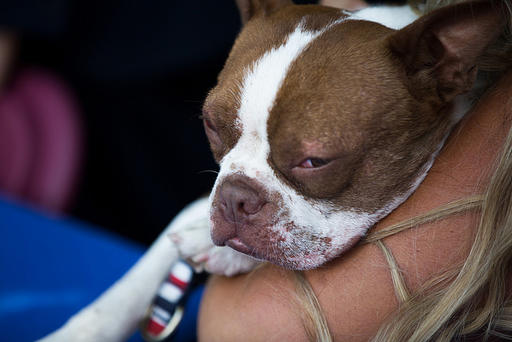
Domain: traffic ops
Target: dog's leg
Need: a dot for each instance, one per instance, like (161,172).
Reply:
(115,314)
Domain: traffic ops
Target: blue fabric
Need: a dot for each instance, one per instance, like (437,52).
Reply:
(52,267)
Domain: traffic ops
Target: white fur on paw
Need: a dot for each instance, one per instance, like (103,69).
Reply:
(190,230)
(228,262)
(190,233)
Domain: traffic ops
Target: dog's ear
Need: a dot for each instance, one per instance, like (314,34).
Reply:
(440,50)
(250,8)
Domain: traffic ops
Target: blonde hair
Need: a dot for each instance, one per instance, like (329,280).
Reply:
(469,301)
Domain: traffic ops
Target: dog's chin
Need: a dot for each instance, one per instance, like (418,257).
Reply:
(303,263)
(275,256)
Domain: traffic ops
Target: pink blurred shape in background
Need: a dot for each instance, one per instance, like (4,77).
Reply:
(41,141)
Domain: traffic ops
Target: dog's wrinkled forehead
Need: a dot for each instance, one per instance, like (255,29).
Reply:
(263,80)
(258,64)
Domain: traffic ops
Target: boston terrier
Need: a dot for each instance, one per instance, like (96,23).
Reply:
(323,121)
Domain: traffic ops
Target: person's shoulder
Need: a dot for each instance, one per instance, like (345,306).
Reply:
(258,306)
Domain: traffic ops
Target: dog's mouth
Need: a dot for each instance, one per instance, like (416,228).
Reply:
(239,246)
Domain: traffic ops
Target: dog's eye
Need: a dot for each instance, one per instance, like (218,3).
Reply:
(312,163)
(208,124)
(211,131)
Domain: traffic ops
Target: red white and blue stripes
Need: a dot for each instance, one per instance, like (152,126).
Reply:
(171,292)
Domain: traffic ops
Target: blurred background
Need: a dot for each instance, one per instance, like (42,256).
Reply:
(99,106)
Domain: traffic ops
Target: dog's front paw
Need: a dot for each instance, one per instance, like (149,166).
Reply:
(189,230)
(190,233)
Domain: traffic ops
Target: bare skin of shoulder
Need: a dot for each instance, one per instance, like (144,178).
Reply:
(355,291)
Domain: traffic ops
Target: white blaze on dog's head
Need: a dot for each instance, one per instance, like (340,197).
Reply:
(394,17)
(305,84)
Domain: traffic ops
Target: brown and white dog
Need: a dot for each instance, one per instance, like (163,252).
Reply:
(322,122)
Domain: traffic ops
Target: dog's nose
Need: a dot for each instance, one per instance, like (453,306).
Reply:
(240,201)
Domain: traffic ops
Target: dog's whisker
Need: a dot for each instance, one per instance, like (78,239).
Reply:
(209,171)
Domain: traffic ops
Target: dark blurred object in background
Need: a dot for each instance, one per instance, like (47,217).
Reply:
(40,141)
(140,71)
